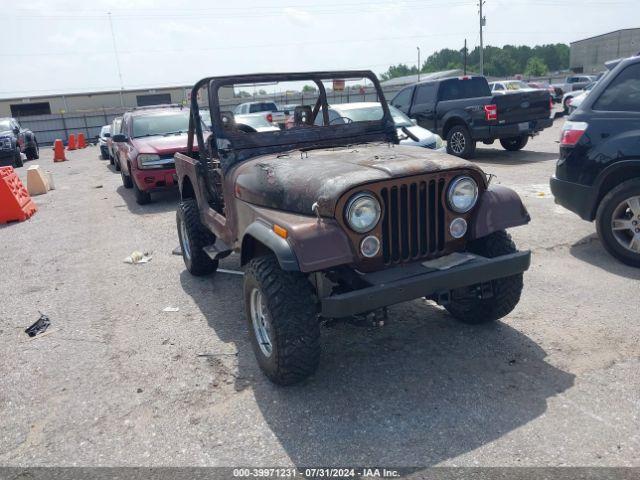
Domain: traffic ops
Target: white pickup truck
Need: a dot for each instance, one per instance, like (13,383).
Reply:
(269,109)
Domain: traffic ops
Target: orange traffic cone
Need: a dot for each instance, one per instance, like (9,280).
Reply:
(81,141)
(58,151)
(71,144)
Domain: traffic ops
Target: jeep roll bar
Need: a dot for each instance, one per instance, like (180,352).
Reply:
(232,147)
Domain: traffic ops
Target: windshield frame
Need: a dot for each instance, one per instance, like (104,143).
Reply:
(230,148)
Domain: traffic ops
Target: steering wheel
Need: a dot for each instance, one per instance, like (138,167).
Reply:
(346,120)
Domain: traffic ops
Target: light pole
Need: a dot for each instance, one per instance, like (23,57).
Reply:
(418,48)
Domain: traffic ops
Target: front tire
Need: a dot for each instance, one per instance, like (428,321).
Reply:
(193,238)
(116,163)
(513,144)
(282,319)
(618,222)
(460,143)
(33,152)
(142,197)
(126,179)
(465,304)
(17,159)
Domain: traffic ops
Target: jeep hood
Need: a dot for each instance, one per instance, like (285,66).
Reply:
(294,181)
(161,145)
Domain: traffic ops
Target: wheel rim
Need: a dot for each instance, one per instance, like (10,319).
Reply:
(625,224)
(186,248)
(457,142)
(261,323)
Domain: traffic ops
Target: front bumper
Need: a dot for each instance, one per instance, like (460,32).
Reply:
(151,180)
(576,197)
(388,289)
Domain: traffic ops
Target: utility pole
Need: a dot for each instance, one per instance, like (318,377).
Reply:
(465,56)
(483,22)
(418,63)
(115,51)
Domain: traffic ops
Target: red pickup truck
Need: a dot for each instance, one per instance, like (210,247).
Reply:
(148,139)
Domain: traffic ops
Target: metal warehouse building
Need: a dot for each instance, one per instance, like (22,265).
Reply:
(590,54)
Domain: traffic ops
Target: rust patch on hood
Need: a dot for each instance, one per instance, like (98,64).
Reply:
(295,182)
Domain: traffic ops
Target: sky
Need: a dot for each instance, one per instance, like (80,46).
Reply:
(67,46)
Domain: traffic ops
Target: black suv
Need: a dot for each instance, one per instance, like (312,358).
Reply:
(15,140)
(598,173)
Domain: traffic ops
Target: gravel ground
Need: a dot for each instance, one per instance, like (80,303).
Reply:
(116,381)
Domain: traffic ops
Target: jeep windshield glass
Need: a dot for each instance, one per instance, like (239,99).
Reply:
(161,124)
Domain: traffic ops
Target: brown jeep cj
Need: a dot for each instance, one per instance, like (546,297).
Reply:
(338,220)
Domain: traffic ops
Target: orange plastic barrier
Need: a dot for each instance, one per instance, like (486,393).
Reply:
(15,203)
(58,151)
(81,141)
(71,144)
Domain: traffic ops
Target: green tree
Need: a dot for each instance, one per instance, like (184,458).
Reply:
(535,67)
(309,89)
(262,92)
(399,70)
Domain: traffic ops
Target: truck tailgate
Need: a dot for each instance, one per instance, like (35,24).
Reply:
(523,106)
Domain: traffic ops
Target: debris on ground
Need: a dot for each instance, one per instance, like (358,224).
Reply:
(40,326)
(171,309)
(177,251)
(138,257)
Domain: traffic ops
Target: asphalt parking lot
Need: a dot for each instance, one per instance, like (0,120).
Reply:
(118,381)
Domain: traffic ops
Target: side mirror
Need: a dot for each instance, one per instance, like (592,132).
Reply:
(16,130)
(107,135)
(119,137)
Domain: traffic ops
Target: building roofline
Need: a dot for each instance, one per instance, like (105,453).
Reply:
(604,34)
(89,93)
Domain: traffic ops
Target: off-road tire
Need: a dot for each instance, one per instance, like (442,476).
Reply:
(142,197)
(608,204)
(468,308)
(116,163)
(293,314)
(127,182)
(17,160)
(456,134)
(33,153)
(513,144)
(110,157)
(198,263)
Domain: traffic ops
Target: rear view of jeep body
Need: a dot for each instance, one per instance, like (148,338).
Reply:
(338,220)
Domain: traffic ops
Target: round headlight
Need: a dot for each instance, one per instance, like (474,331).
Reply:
(363,212)
(462,194)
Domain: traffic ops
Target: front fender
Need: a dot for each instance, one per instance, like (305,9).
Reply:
(498,208)
(278,245)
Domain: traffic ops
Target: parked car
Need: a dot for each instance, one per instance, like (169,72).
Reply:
(567,98)
(147,141)
(15,140)
(254,122)
(269,110)
(105,134)
(556,93)
(408,132)
(574,82)
(332,221)
(112,146)
(598,173)
(463,110)
(508,86)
